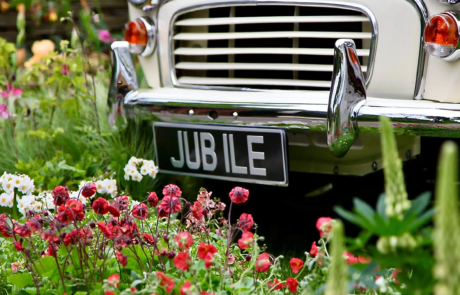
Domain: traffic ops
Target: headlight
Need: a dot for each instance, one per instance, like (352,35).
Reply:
(442,35)
(141,36)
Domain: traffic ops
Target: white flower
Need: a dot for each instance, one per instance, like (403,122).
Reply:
(134,161)
(17,181)
(100,186)
(6,199)
(153,172)
(134,203)
(26,203)
(137,177)
(27,185)
(38,207)
(3,176)
(382,284)
(8,185)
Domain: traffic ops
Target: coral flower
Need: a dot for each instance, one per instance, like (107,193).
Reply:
(324,226)
(184,240)
(89,190)
(149,239)
(172,190)
(153,199)
(314,249)
(75,210)
(275,285)
(182,261)
(140,211)
(197,210)
(51,251)
(170,205)
(105,230)
(246,222)
(18,246)
(74,237)
(165,281)
(239,195)
(113,210)
(246,241)
(50,236)
(35,225)
(208,260)
(292,284)
(22,230)
(186,288)
(101,206)
(296,265)
(60,195)
(204,249)
(114,280)
(263,263)
(121,258)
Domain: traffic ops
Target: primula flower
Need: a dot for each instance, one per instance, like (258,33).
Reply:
(186,288)
(89,190)
(121,258)
(4,112)
(153,199)
(140,211)
(246,241)
(239,195)
(170,205)
(204,249)
(101,206)
(324,225)
(314,249)
(246,222)
(22,230)
(263,263)
(172,190)
(114,280)
(50,236)
(292,284)
(197,210)
(208,260)
(60,195)
(149,239)
(184,240)
(296,265)
(165,281)
(275,285)
(18,246)
(182,261)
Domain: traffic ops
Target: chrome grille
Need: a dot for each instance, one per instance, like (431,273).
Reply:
(266,46)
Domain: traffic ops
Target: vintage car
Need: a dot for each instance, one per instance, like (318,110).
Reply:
(250,90)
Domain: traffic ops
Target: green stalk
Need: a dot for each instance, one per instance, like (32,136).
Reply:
(337,280)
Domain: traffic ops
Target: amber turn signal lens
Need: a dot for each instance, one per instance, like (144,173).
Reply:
(137,36)
(441,35)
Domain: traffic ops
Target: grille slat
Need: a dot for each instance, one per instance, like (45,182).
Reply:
(268,47)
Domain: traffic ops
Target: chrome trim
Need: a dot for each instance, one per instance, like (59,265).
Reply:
(139,3)
(347,95)
(423,57)
(304,3)
(456,54)
(123,83)
(448,1)
(219,127)
(150,25)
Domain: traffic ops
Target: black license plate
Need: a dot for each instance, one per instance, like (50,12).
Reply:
(246,154)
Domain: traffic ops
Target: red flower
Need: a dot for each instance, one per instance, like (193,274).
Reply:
(208,260)
(4,228)
(204,249)
(263,263)
(101,206)
(75,210)
(121,203)
(165,281)
(275,285)
(170,205)
(246,222)
(51,251)
(109,293)
(186,288)
(352,259)
(89,190)
(182,261)
(18,246)
(74,237)
(296,265)
(22,230)
(153,199)
(197,210)
(172,190)
(114,280)
(292,284)
(105,230)
(140,211)
(149,239)
(60,195)
(35,225)
(50,236)
(184,240)
(204,293)
(239,195)
(121,258)
(323,225)
(314,249)
(113,211)
(394,274)
(246,241)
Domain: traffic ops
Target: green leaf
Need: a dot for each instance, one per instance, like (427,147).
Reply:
(21,280)
(419,204)
(364,210)
(381,206)
(81,293)
(353,218)
(422,220)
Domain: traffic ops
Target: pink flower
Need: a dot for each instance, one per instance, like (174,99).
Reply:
(104,36)
(239,195)
(14,267)
(263,263)
(296,265)
(11,91)
(4,112)
(324,225)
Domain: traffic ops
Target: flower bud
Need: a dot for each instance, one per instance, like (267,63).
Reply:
(166,238)
(187,205)
(42,252)
(135,241)
(21,240)
(114,222)
(46,213)
(171,254)
(27,252)
(62,235)
(92,224)
(68,277)
(248,258)
(205,211)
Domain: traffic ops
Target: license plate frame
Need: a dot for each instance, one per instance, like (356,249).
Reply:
(273,146)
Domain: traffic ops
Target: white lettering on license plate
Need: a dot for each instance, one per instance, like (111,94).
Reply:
(205,142)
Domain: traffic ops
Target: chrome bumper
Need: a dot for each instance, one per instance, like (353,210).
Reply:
(302,110)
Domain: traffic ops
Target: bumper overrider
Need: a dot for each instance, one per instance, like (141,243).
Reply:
(346,113)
